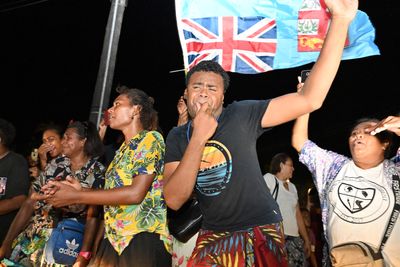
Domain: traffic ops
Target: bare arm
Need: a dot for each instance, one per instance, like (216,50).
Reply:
(65,195)
(180,177)
(99,237)
(300,132)
(182,111)
(313,259)
(91,228)
(11,204)
(288,107)
(19,223)
(303,231)
(102,129)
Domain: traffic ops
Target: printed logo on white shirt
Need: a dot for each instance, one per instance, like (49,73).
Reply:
(358,200)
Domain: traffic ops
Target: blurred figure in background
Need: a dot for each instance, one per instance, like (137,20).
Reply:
(48,150)
(26,239)
(297,243)
(14,178)
(314,206)
(311,260)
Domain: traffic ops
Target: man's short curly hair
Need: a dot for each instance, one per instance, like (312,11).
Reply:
(209,66)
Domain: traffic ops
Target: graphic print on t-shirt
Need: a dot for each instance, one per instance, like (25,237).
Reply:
(358,200)
(355,199)
(3,185)
(215,169)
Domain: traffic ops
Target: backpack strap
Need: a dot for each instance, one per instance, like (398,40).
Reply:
(276,189)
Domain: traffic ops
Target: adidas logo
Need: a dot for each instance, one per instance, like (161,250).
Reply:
(72,245)
(70,251)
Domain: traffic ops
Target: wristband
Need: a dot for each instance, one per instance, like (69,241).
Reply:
(85,254)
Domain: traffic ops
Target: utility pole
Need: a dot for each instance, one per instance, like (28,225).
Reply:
(101,95)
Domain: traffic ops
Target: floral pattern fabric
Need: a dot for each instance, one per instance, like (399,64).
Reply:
(144,154)
(29,245)
(256,246)
(181,252)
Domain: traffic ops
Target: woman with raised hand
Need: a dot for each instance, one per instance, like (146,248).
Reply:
(49,149)
(356,193)
(27,237)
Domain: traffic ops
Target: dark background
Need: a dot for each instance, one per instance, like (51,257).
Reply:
(50,55)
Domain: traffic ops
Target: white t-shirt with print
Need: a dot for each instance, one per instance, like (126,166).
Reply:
(361,205)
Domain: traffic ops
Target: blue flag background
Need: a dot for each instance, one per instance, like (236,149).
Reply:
(361,34)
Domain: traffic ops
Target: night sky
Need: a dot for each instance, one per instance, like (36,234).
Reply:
(50,55)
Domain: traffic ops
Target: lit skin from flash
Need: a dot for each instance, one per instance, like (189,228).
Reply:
(51,144)
(391,123)
(287,169)
(205,88)
(365,148)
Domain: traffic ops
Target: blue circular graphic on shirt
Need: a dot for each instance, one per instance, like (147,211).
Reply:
(215,169)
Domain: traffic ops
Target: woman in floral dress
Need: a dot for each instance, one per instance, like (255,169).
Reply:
(136,233)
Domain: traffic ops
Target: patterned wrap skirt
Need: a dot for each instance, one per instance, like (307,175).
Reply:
(260,246)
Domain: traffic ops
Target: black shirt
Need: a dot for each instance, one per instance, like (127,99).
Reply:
(230,185)
(14,173)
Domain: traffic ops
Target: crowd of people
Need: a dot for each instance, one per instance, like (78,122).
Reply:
(122,197)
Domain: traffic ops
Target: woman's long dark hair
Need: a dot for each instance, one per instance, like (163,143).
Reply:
(148,115)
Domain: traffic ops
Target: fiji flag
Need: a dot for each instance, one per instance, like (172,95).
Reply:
(253,36)
(239,44)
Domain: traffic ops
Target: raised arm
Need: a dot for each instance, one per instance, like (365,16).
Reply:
(290,106)
(300,132)
(182,112)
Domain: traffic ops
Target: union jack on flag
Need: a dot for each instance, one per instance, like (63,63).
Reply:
(239,44)
(254,36)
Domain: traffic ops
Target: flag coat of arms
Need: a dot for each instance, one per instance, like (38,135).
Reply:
(253,36)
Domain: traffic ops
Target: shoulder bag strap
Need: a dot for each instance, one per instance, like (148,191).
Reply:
(276,189)
(395,211)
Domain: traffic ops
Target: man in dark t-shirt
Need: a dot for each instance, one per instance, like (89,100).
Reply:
(215,154)
(14,178)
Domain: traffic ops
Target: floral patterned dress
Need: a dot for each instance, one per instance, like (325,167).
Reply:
(144,154)
(181,252)
(28,246)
